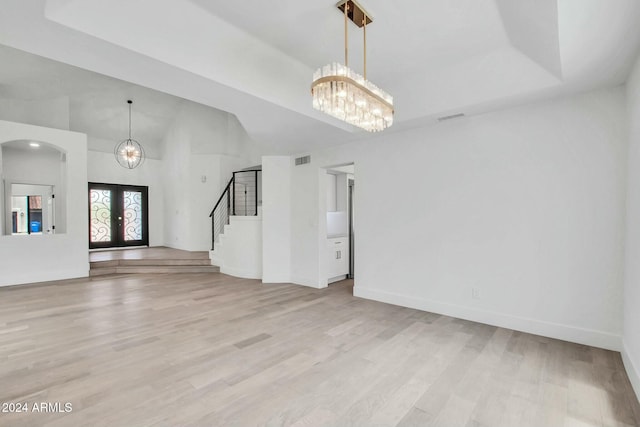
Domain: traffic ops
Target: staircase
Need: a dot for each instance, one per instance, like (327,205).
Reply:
(239,249)
(150,260)
(236,225)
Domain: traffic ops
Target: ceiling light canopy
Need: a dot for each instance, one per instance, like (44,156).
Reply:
(339,91)
(129,153)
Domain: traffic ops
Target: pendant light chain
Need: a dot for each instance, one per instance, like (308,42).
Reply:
(364,31)
(346,35)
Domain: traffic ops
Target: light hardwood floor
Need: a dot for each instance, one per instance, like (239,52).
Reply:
(211,350)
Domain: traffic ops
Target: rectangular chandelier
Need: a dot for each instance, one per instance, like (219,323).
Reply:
(339,91)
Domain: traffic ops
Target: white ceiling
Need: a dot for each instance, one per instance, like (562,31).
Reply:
(405,31)
(255,58)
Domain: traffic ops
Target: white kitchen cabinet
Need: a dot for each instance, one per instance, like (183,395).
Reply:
(337,258)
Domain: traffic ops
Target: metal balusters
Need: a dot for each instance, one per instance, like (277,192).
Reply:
(242,195)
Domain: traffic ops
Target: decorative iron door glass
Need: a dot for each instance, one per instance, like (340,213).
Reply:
(118,215)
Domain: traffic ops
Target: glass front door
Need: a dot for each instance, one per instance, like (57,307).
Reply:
(118,215)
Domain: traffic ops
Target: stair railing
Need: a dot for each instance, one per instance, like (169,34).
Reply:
(240,197)
(220,213)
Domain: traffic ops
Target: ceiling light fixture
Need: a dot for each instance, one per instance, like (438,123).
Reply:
(129,153)
(339,91)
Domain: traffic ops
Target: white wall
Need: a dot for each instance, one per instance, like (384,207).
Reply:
(103,168)
(276,219)
(217,170)
(200,142)
(52,113)
(25,259)
(338,219)
(152,149)
(631,337)
(176,188)
(308,222)
(201,197)
(331,192)
(241,247)
(526,205)
(342,192)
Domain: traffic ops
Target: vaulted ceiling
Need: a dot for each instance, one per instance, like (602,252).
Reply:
(96,103)
(255,58)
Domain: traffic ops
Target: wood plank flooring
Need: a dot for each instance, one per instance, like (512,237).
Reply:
(212,350)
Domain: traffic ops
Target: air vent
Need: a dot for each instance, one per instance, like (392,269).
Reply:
(303,160)
(451,117)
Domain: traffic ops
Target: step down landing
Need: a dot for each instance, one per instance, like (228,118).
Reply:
(196,262)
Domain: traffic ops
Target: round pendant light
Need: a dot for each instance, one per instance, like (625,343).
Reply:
(129,153)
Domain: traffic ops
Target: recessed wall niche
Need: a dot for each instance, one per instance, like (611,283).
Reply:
(33,193)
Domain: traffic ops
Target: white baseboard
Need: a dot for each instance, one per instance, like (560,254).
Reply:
(632,369)
(337,278)
(533,326)
(45,276)
(306,281)
(275,280)
(242,273)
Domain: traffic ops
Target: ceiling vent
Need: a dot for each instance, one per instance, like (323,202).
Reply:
(451,117)
(303,160)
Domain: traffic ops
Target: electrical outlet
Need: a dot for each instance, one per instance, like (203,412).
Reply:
(475,293)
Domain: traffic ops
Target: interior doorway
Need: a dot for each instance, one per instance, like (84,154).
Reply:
(118,215)
(340,223)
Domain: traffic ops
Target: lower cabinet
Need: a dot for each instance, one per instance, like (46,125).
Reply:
(337,258)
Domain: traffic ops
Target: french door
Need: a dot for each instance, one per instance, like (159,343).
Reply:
(118,215)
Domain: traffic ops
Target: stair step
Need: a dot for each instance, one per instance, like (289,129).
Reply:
(151,269)
(151,262)
(102,271)
(199,255)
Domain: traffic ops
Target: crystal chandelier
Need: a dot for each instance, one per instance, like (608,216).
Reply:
(339,91)
(129,153)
